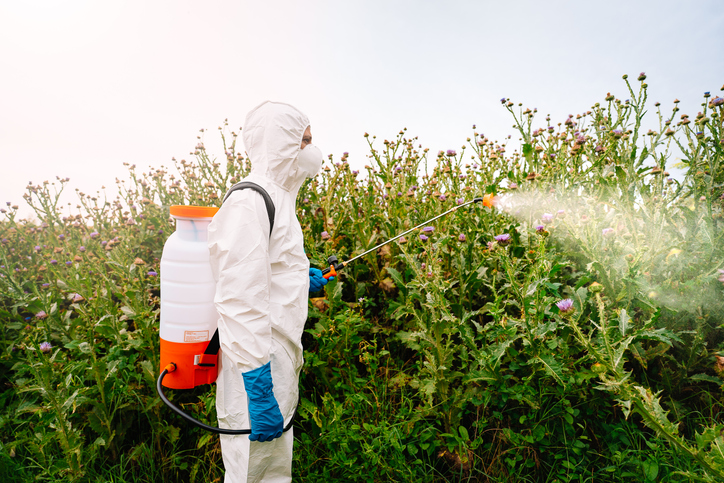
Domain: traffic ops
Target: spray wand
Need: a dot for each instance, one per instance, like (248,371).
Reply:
(334,264)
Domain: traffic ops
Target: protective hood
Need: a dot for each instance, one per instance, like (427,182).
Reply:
(272,135)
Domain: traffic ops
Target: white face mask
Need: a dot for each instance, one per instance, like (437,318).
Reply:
(310,160)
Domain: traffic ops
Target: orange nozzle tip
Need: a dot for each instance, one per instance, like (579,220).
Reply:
(170,367)
(489,200)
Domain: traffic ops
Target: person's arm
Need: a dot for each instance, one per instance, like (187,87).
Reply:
(239,249)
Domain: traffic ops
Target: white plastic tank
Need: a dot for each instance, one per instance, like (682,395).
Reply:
(188,316)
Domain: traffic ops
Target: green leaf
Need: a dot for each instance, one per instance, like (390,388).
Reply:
(552,367)
(651,470)
(528,151)
(623,322)
(706,378)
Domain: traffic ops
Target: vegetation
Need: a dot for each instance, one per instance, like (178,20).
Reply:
(572,333)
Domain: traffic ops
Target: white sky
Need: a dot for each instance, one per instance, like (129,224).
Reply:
(88,85)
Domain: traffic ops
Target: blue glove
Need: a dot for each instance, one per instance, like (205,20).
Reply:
(316,280)
(266,418)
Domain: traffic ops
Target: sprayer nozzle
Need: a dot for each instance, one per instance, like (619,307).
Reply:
(170,367)
(489,200)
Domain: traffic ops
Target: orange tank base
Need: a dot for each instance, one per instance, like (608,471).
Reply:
(193,367)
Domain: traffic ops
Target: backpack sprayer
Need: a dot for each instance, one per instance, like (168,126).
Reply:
(188,321)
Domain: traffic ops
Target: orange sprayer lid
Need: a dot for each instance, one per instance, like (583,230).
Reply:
(188,211)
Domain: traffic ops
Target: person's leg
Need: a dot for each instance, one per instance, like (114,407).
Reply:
(231,408)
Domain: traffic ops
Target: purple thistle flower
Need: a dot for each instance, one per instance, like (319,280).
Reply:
(423,238)
(151,273)
(325,235)
(45,347)
(561,213)
(540,229)
(37,248)
(607,232)
(82,248)
(68,263)
(104,243)
(642,76)
(54,262)
(442,197)
(502,101)
(423,265)
(503,239)
(94,234)
(565,306)
(513,186)
(462,237)
(451,152)
(61,237)
(547,218)
(45,285)
(717,101)
(41,314)
(428,229)
(617,133)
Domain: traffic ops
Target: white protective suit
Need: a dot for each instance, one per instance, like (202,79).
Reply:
(262,288)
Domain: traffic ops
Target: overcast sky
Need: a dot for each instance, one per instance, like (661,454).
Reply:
(88,85)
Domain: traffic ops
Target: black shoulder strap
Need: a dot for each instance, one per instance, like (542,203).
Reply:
(270,209)
(214,345)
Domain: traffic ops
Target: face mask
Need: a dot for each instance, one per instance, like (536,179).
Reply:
(310,160)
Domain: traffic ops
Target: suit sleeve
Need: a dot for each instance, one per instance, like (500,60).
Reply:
(239,254)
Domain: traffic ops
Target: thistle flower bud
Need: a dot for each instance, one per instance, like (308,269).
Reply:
(595,287)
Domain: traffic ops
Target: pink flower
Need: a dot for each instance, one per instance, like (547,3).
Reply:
(565,306)
(325,235)
(503,239)
(45,347)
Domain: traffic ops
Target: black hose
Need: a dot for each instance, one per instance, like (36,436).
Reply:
(198,423)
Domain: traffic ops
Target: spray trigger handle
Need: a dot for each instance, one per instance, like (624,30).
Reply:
(334,265)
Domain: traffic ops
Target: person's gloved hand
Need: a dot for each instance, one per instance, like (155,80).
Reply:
(266,418)
(316,280)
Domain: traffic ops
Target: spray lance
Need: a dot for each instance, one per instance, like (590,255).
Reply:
(334,264)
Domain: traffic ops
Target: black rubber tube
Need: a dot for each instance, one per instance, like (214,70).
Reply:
(195,422)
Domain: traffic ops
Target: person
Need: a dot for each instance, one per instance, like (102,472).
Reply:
(263,282)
